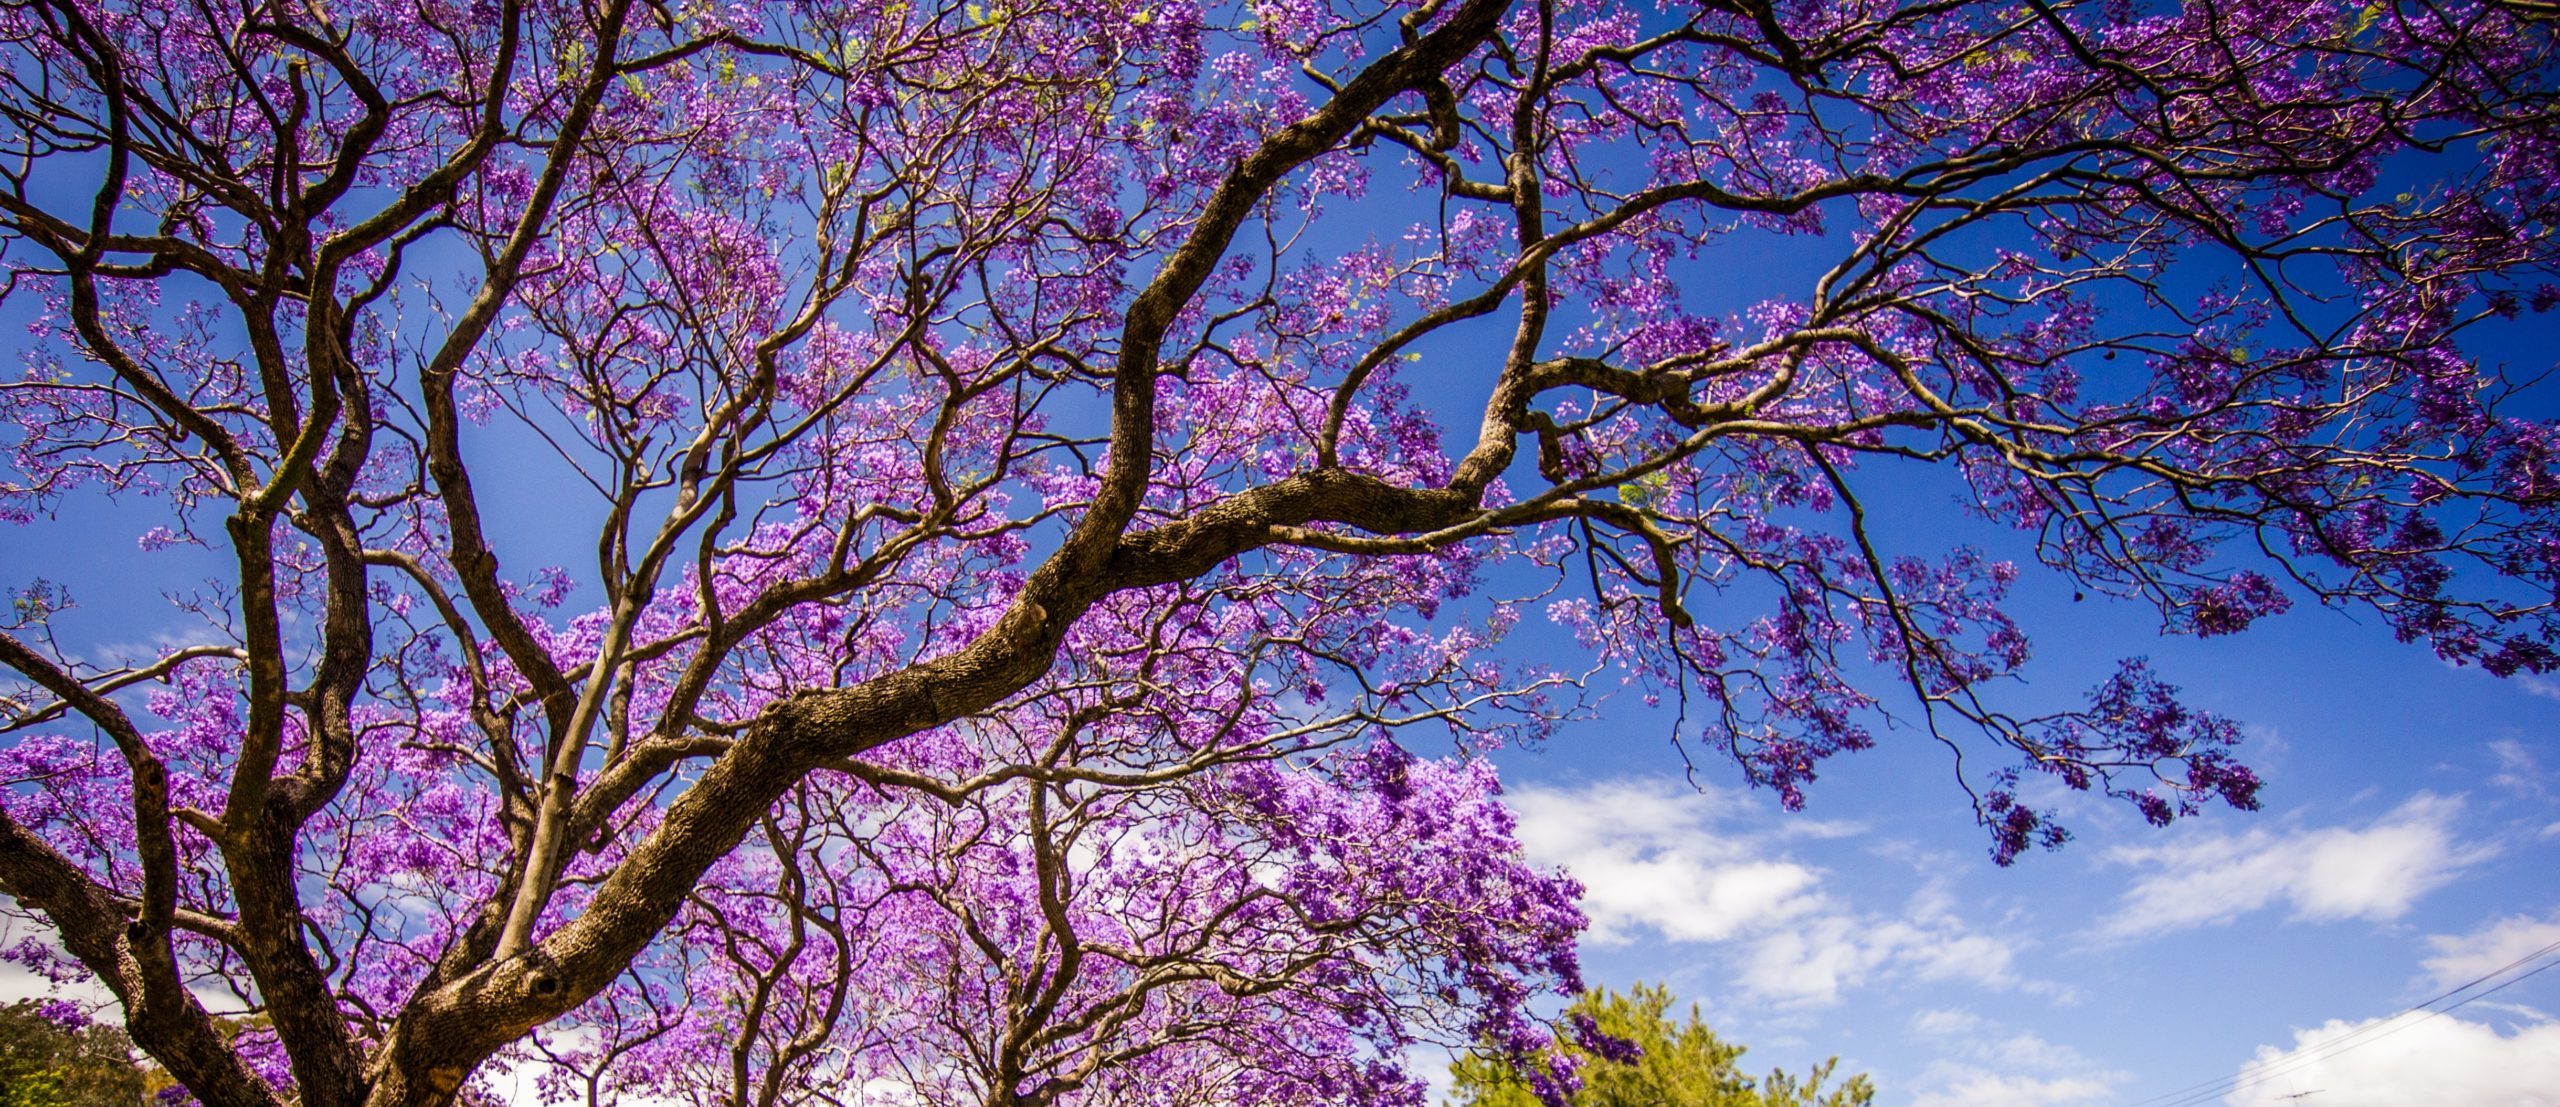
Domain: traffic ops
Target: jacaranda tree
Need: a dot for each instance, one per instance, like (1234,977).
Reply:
(1040,627)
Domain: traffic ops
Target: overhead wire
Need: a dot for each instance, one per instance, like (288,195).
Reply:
(2425,1010)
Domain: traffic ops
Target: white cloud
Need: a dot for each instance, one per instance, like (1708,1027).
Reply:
(1947,1022)
(2546,687)
(2442,1060)
(1656,857)
(2518,769)
(2374,872)
(1962,1033)
(1989,1065)
(2462,958)
(1834,949)
(1969,1086)
(1650,858)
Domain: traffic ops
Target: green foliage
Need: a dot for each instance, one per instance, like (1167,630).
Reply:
(44,1065)
(1684,1065)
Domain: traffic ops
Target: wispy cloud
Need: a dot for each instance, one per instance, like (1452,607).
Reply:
(2518,769)
(2376,871)
(1973,1086)
(2462,958)
(1657,858)
(1836,948)
(1988,1064)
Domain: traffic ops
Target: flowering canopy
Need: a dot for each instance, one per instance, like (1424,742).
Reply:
(1024,555)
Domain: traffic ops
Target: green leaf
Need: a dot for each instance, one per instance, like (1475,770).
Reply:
(1682,1064)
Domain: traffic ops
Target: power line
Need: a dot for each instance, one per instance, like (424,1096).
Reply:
(2367,1035)
(2384,1029)
(2196,1094)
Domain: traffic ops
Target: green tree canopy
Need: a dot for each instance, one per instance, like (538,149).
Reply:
(1682,1064)
(46,1064)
